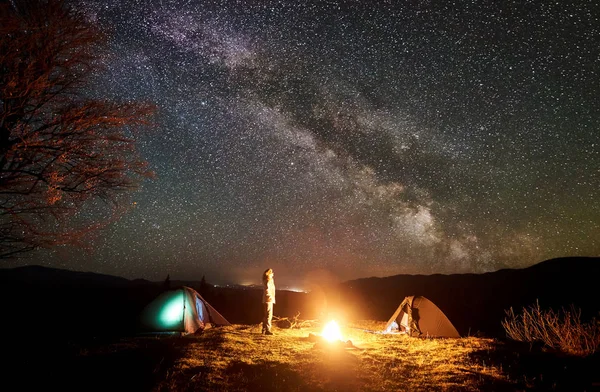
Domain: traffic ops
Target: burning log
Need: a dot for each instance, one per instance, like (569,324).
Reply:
(322,342)
(330,338)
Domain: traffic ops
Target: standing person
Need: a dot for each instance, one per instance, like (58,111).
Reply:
(268,300)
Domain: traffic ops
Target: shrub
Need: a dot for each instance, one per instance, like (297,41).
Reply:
(562,330)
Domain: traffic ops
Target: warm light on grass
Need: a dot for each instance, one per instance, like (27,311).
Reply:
(331,332)
(240,359)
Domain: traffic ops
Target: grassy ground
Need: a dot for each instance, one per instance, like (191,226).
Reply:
(295,360)
(239,358)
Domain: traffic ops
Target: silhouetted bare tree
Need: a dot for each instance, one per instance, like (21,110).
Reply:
(58,147)
(204,287)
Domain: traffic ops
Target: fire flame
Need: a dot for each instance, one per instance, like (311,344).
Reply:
(331,332)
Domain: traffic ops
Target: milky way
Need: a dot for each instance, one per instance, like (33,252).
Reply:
(348,140)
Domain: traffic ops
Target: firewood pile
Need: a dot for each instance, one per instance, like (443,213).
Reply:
(293,322)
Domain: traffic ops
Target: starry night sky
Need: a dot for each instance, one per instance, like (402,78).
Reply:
(344,140)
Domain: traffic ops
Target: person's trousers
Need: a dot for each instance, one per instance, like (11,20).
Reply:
(267,316)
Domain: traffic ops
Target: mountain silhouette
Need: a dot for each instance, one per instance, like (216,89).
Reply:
(475,303)
(40,275)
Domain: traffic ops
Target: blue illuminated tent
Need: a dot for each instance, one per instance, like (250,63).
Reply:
(180,311)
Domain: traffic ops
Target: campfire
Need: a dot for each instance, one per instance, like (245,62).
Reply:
(331,332)
(330,337)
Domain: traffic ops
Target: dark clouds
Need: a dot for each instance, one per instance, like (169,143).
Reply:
(406,137)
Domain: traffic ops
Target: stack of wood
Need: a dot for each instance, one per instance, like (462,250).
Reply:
(293,322)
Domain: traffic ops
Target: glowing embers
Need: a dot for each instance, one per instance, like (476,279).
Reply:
(330,338)
(331,332)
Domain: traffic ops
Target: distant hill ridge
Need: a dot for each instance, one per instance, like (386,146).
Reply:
(40,274)
(473,302)
(556,265)
(37,274)
(477,302)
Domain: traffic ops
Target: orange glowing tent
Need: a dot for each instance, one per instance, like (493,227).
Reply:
(419,317)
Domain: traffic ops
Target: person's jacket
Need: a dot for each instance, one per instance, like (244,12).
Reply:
(269,292)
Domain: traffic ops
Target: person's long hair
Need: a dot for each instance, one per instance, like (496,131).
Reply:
(267,275)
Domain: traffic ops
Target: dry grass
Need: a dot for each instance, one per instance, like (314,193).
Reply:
(239,358)
(562,330)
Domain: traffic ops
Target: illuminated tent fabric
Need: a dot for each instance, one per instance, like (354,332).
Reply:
(418,316)
(182,310)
